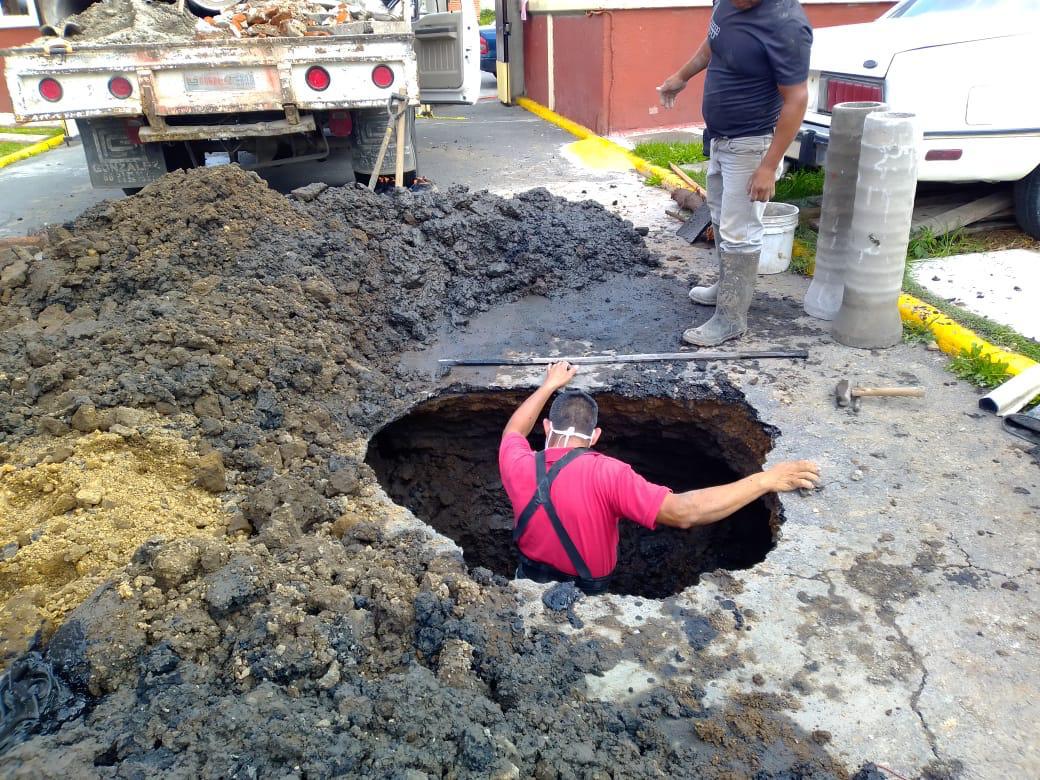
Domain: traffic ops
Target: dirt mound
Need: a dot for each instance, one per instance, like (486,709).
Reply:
(74,508)
(271,329)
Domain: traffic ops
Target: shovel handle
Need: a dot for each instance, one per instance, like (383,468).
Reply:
(894,392)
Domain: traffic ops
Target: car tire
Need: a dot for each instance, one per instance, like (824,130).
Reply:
(1027,203)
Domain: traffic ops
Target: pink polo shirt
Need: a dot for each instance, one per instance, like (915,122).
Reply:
(591,495)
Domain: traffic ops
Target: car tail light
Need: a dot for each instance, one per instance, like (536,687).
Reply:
(317,78)
(340,124)
(120,87)
(483,46)
(944,154)
(382,76)
(50,90)
(838,89)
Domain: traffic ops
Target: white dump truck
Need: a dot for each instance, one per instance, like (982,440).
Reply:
(156,86)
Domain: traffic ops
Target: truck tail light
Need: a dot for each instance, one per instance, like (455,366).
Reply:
(50,90)
(944,154)
(340,124)
(317,78)
(120,87)
(382,76)
(483,46)
(837,89)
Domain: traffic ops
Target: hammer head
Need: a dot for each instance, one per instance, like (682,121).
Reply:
(843,393)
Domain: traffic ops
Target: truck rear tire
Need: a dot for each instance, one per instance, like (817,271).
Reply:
(1027,203)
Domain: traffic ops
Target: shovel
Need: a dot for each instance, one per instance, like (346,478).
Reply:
(692,229)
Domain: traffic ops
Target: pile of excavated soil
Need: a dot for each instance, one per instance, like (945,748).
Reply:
(334,641)
(74,508)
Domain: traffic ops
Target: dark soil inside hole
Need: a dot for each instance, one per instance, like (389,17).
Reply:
(441,462)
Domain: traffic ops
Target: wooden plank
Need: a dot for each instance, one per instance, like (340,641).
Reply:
(951,220)
(689,182)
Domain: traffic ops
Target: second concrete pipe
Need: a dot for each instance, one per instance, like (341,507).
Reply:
(833,248)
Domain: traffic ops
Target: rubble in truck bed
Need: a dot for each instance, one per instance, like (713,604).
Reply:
(143,21)
(342,638)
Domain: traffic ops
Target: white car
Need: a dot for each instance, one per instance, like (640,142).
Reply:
(967,68)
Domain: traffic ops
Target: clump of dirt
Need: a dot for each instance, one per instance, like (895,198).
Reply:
(74,508)
(332,642)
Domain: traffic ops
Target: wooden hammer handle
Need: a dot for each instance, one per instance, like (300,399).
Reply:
(900,392)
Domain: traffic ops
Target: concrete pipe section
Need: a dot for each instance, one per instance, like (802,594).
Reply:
(869,314)
(833,248)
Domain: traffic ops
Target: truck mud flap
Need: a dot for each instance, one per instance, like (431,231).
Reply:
(369,127)
(115,156)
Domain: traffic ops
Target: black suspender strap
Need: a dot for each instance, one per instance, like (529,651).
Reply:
(542,498)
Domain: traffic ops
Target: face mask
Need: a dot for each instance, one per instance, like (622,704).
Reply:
(567,434)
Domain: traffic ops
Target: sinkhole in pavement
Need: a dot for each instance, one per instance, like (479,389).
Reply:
(440,461)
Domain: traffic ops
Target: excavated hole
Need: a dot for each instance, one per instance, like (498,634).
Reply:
(440,461)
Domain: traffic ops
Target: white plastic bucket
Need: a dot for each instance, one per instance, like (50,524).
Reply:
(780,220)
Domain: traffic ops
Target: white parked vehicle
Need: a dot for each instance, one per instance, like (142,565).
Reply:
(147,102)
(966,68)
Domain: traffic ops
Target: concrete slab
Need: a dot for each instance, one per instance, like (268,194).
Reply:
(1003,286)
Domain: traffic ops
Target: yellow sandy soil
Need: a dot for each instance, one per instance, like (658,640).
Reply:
(74,508)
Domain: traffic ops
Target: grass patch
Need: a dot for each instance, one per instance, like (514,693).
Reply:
(487,16)
(917,332)
(799,184)
(927,244)
(24,130)
(981,369)
(803,253)
(664,152)
(9,147)
(653,180)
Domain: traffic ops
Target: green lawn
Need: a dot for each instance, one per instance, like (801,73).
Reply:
(29,130)
(9,148)
(799,184)
(664,152)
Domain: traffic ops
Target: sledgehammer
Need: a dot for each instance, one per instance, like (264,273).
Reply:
(847,395)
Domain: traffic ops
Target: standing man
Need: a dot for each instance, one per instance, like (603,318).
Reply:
(755,96)
(567,500)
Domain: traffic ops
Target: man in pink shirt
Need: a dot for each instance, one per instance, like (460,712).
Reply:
(567,500)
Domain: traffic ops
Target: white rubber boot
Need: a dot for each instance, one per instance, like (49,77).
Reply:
(706,296)
(736,287)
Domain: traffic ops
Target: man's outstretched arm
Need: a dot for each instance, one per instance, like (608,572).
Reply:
(709,505)
(557,375)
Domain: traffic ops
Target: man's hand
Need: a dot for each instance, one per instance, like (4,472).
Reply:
(558,375)
(791,475)
(762,184)
(670,89)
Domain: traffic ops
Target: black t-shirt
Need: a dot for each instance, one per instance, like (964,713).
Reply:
(751,52)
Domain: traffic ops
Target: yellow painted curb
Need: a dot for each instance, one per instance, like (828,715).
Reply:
(606,147)
(30,151)
(951,337)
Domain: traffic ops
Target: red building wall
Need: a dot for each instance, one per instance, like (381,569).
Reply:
(9,37)
(607,64)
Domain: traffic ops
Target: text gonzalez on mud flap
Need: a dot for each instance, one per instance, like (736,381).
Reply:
(567,500)
(756,92)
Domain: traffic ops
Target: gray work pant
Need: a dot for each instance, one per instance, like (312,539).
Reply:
(733,161)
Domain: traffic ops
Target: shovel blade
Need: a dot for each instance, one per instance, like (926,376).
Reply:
(693,228)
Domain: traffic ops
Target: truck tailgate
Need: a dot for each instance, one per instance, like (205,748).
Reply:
(208,77)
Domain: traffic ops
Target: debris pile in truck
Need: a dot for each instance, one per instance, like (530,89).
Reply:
(292,18)
(141,21)
(341,639)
